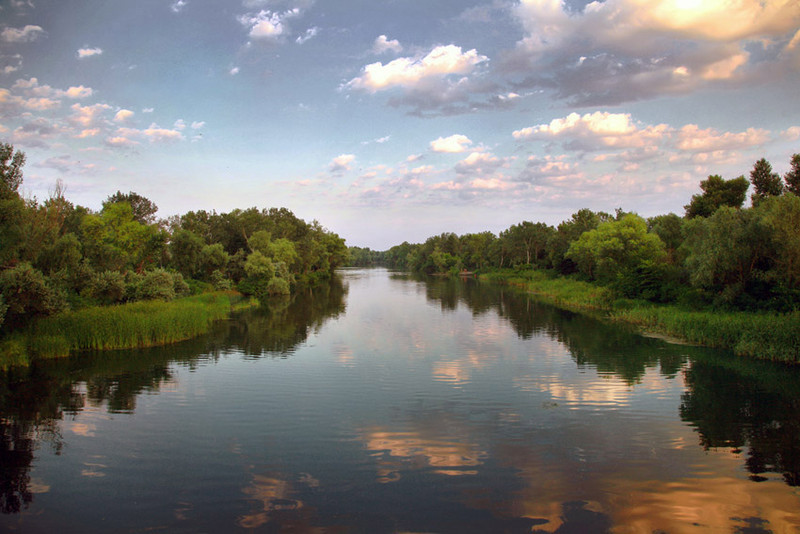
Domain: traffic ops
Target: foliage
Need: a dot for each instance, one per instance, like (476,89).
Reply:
(717,193)
(27,295)
(144,210)
(765,182)
(792,178)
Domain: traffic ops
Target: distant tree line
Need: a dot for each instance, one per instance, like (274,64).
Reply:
(717,254)
(56,256)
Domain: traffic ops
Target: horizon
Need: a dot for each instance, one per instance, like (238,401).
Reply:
(390,123)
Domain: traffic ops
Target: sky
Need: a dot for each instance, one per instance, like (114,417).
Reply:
(395,120)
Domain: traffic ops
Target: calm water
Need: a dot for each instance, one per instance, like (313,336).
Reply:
(388,404)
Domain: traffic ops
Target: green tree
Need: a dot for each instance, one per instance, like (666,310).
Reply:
(568,231)
(781,216)
(144,209)
(618,252)
(186,249)
(28,294)
(114,240)
(765,182)
(716,193)
(792,178)
(11,164)
(526,242)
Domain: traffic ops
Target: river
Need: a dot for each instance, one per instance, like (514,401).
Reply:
(384,403)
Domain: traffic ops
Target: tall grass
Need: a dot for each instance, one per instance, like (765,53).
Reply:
(138,324)
(563,292)
(769,336)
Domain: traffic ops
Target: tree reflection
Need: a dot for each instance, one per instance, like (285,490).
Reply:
(34,399)
(748,404)
(612,349)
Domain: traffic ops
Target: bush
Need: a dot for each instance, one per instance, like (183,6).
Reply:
(107,287)
(27,294)
(157,285)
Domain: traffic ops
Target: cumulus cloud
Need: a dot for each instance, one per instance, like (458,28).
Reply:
(383,45)
(178,6)
(694,139)
(89,52)
(411,71)
(266,24)
(25,34)
(594,131)
(624,50)
(9,64)
(123,115)
(453,144)
(341,163)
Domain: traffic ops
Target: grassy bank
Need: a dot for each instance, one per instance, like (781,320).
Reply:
(134,325)
(769,336)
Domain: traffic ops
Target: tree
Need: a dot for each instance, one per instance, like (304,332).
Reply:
(618,252)
(792,178)
(717,193)
(186,249)
(765,182)
(526,242)
(11,164)
(144,210)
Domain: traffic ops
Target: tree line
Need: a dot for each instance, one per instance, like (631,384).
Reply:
(56,256)
(718,254)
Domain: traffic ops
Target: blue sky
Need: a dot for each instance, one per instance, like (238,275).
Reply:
(397,120)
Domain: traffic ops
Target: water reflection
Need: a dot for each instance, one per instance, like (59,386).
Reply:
(429,406)
(40,402)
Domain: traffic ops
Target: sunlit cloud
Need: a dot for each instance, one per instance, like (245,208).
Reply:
(89,52)
(25,34)
(453,144)
(341,163)
(383,45)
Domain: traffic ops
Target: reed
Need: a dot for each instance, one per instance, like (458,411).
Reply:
(134,325)
(768,336)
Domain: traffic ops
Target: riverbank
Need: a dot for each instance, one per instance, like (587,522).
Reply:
(768,336)
(134,325)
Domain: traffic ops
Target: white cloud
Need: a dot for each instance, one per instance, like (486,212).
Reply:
(160,135)
(21,35)
(792,133)
(310,34)
(87,116)
(341,163)
(596,130)
(123,115)
(411,71)
(78,92)
(196,125)
(178,6)
(89,52)
(453,144)
(234,71)
(382,45)
(180,124)
(693,139)
(266,24)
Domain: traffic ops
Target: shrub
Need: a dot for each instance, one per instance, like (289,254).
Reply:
(156,285)
(27,294)
(107,287)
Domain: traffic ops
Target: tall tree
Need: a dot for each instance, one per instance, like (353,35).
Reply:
(717,193)
(765,182)
(792,178)
(11,163)
(144,209)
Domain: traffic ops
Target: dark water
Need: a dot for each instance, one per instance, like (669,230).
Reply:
(385,404)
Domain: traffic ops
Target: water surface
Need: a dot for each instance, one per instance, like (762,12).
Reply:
(381,403)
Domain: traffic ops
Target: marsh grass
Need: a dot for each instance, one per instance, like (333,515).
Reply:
(134,325)
(769,336)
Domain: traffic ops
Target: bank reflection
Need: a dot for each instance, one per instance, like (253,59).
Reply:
(43,405)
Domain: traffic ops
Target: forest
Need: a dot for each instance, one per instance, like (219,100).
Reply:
(57,256)
(717,255)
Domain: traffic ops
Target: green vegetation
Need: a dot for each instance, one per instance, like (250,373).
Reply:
(61,261)
(722,275)
(133,325)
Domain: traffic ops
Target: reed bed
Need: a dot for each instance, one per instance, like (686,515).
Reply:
(768,336)
(134,325)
